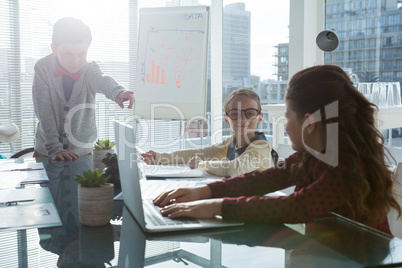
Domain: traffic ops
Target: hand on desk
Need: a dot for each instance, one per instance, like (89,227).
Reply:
(65,155)
(149,158)
(194,162)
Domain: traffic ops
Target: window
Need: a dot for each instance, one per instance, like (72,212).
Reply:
(374,55)
(393,19)
(26,28)
(265,49)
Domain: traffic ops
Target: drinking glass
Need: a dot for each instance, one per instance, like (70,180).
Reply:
(383,95)
(365,89)
(394,95)
(390,95)
(375,94)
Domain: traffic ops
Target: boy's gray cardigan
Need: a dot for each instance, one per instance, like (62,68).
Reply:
(68,125)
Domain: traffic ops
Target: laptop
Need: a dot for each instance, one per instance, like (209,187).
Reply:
(139,249)
(144,211)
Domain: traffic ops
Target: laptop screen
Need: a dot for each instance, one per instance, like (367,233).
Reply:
(128,162)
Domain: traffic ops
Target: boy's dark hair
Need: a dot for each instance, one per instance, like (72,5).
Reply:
(71,31)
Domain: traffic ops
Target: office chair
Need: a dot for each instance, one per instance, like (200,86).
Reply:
(394,223)
(9,132)
(23,152)
(274,156)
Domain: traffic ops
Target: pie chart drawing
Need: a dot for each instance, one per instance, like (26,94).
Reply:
(187,60)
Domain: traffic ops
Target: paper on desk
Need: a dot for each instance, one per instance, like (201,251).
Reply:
(34,215)
(38,212)
(22,166)
(174,171)
(5,183)
(27,173)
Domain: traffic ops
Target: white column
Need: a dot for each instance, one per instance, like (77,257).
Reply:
(216,13)
(307,18)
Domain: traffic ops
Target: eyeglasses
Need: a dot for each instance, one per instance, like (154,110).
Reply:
(250,113)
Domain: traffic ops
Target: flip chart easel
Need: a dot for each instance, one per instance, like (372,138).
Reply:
(172,63)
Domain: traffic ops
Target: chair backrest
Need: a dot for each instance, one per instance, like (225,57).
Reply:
(395,152)
(394,223)
(28,152)
(9,132)
(275,156)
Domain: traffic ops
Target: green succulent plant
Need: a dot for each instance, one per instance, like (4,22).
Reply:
(104,144)
(92,178)
(112,168)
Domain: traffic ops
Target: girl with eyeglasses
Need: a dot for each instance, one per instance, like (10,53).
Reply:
(339,165)
(245,151)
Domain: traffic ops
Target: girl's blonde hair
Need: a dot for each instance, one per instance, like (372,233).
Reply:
(242,92)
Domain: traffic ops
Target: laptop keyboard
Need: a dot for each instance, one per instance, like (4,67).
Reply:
(153,214)
(151,189)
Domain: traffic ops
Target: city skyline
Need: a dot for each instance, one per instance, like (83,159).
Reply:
(263,39)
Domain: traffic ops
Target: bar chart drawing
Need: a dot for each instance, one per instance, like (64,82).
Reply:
(157,68)
(158,73)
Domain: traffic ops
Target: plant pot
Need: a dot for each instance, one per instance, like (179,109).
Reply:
(95,204)
(98,156)
(96,245)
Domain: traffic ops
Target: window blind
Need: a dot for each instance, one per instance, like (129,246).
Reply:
(25,37)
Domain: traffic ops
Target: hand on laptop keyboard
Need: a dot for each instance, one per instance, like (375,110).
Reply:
(183,195)
(200,209)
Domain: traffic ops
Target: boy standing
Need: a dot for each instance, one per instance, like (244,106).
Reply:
(65,82)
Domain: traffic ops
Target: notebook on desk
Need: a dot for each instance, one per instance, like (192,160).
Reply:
(145,213)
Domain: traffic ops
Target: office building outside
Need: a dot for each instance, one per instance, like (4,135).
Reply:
(236,46)
(281,63)
(370,34)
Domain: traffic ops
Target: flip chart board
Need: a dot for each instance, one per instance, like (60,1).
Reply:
(172,63)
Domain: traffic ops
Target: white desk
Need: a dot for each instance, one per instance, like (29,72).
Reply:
(385,119)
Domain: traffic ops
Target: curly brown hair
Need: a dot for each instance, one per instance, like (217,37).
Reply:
(361,146)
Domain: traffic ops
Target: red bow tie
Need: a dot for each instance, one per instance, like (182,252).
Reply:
(60,72)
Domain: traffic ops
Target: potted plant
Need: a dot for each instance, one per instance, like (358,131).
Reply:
(101,148)
(112,168)
(95,198)
(96,246)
